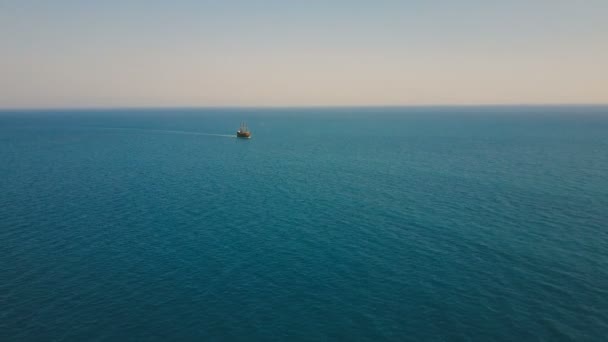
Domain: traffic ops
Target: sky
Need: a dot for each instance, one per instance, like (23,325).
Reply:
(81,54)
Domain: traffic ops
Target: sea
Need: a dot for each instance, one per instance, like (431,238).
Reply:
(485,223)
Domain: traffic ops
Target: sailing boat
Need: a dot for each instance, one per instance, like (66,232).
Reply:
(243,131)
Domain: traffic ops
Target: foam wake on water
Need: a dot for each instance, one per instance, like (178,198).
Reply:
(162,131)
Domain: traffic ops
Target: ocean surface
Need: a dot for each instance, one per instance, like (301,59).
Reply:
(350,224)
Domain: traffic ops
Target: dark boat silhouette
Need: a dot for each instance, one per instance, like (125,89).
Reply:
(243,131)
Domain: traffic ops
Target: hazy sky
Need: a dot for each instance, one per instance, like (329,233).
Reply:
(288,53)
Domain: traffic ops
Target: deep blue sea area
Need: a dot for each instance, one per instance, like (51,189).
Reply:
(370,224)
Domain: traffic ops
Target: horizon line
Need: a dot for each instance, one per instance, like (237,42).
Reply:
(271,107)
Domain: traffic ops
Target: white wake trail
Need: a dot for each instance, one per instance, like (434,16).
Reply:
(166,131)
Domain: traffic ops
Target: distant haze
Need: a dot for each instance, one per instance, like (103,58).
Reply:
(302,53)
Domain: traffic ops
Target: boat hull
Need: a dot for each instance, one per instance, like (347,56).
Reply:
(245,135)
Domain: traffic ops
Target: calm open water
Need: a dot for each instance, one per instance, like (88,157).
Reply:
(487,223)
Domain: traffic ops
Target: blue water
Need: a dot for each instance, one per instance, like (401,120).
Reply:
(486,223)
